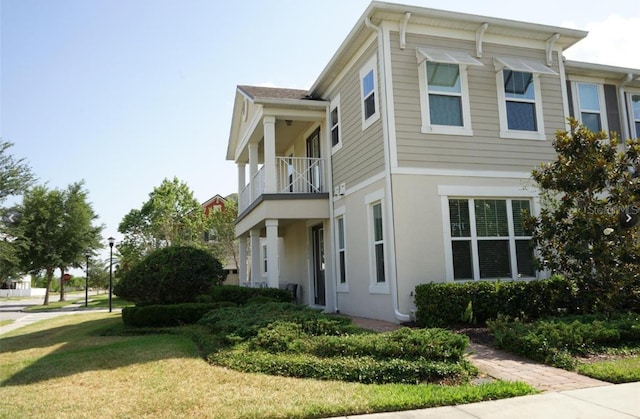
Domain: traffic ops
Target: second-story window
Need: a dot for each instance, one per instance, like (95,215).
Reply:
(334,123)
(589,103)
(368,91)
(519,92)
(444,95)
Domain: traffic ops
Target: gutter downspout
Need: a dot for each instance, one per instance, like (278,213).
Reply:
(623,108)
(402,317)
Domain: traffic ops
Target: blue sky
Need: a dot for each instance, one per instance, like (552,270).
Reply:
(125,93)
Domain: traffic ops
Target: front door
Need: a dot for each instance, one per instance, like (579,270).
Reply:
(317,238)
(314,175)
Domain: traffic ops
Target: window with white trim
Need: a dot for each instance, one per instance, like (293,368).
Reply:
(369,92)
(264,259)
(334,124)
(488,239)
(519,94)
(589,103)
(378,243)
(444,92)
(342,253)
(635,114)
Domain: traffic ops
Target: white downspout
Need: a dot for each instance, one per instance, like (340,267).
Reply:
(623,108)
(388,184)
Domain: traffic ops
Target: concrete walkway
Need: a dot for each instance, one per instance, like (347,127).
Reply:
(566,394)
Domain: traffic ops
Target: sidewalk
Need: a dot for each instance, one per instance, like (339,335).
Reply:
(566,394)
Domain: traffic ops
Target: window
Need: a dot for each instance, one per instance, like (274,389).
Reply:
(635,109)
(264,259)
(342,270)
(488,239)
(519,93)
(444,96)
(334,123)
(378,243)
(368,91)
(589,100)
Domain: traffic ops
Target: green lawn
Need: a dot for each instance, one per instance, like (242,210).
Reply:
(95,301)
(71,368)
(624,370)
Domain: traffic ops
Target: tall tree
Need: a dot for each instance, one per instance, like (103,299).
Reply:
(588,194)
(171,216)
(15,177)
(57,231)
(223,224)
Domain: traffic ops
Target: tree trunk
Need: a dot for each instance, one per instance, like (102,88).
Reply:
(61,284)
(46,293)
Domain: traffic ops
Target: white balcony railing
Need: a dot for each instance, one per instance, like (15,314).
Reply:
(293,175)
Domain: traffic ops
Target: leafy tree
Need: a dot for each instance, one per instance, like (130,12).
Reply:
(225,245)
(585,192)
(171,275)
(15,178)
(56,230)
(170,217)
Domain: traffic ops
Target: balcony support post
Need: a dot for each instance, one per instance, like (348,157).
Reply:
(242,260)
(256,269)
(273,257)
(253,166)
(269,125)
(242,182)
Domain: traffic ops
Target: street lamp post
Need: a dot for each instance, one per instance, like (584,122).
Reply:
(86,282)
(111,241)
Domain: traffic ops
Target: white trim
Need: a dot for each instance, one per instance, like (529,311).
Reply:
(629,93)
(368,67)
(486,191)
(370,200)
(505,132)
(347,68)
(389,110)
(427,126)
(335,104)
(244,141)
(602,104)
(362,185)
(461,173)
(339,213)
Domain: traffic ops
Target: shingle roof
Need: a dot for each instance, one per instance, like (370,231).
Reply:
(256,92)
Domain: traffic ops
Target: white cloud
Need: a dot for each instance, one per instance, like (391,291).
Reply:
(613,41)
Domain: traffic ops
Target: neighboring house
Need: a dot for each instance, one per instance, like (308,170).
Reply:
(409,159)
(211,206)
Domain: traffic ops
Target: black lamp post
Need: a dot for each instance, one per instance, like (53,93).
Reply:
(111,241)
(86,282)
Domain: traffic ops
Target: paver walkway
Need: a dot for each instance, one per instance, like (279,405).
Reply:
(504,366)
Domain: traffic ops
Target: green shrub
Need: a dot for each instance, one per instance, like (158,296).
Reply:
(557,341)
(168,315)
(362,369)
(171,275)
(242,295)
(449,304)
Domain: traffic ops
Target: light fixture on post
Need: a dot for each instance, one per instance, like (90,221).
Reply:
(86,281)
(111,241)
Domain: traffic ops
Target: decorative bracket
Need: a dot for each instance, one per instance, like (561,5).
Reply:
(479,37)
(549,47)
(403,30)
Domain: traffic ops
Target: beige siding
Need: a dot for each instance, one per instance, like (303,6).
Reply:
(362,153)
(485,150)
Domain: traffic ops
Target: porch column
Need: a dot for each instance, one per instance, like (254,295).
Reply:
(269,124)
(253,169)
(273,257)
(256,270)
(242,260)
(242,182)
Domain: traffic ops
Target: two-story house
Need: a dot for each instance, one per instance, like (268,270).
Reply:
(409,159)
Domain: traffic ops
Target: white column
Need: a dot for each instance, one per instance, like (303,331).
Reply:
(242,260)
(253,169)
(242,182)
(256,269)
(269,124)
(273,257)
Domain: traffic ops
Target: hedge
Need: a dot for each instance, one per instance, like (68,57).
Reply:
(449,304)
(168,315)
(243,295)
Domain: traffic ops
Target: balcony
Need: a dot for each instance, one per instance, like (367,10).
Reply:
(294,175)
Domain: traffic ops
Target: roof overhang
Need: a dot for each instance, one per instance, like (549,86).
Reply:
(628,76)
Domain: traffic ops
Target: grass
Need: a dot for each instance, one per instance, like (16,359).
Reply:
(5,322)
(95,301)
(78,370)
(615,369)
